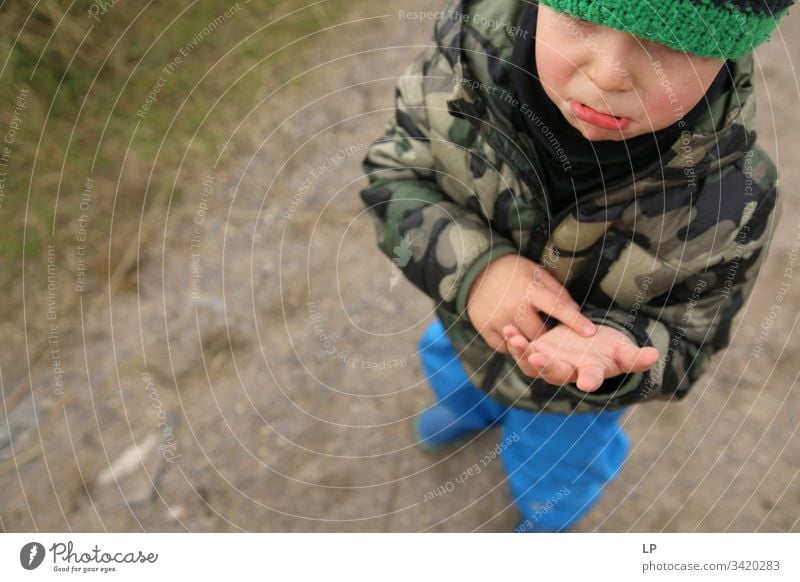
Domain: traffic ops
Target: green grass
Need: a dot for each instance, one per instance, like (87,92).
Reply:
(59,71)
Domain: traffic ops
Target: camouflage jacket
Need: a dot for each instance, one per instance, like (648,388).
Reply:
(669,257)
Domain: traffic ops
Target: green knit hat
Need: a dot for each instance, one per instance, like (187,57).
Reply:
(720,29)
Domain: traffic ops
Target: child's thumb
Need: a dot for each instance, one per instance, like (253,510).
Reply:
(631,358)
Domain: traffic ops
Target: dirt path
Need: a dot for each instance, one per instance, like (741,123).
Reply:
(263,377)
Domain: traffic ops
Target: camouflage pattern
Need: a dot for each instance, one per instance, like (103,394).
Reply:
(668,258)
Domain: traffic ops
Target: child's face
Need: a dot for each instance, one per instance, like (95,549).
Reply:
(611,85)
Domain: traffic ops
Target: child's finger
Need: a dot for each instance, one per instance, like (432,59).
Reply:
(631,358)
(519,345)
(563,295)
(509,331)
(499,343)
(520,349)
(514,336)
(590,377)
(528,323)
(563,311)
(552,370)
(554,285)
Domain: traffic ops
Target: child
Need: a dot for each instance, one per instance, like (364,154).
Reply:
(577,186)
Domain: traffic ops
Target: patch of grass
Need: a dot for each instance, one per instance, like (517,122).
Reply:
(104,87)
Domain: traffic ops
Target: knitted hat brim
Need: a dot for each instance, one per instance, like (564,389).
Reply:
(710,28)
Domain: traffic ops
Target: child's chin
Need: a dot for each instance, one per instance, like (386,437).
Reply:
(600,134)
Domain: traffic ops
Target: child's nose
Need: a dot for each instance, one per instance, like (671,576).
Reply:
(611,60)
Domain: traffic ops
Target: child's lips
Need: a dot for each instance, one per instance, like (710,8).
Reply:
(589,115)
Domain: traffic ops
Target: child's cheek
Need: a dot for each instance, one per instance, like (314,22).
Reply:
(674,90)
(664,110)
(555,71)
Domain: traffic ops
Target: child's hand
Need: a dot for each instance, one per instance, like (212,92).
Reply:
(561,356)
(512,290)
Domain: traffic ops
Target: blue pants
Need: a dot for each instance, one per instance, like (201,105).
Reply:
(557,464)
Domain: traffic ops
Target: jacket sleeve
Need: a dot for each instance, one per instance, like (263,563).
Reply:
(710,280)
(438,244)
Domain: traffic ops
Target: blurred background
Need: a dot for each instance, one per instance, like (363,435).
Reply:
(199,333)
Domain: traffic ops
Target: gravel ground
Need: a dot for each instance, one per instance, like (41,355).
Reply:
(258,372)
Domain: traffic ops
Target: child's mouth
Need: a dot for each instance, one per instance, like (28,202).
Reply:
(589,115)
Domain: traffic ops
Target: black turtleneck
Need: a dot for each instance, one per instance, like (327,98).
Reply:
(585,166)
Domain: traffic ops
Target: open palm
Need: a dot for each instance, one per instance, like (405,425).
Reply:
(561,356)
